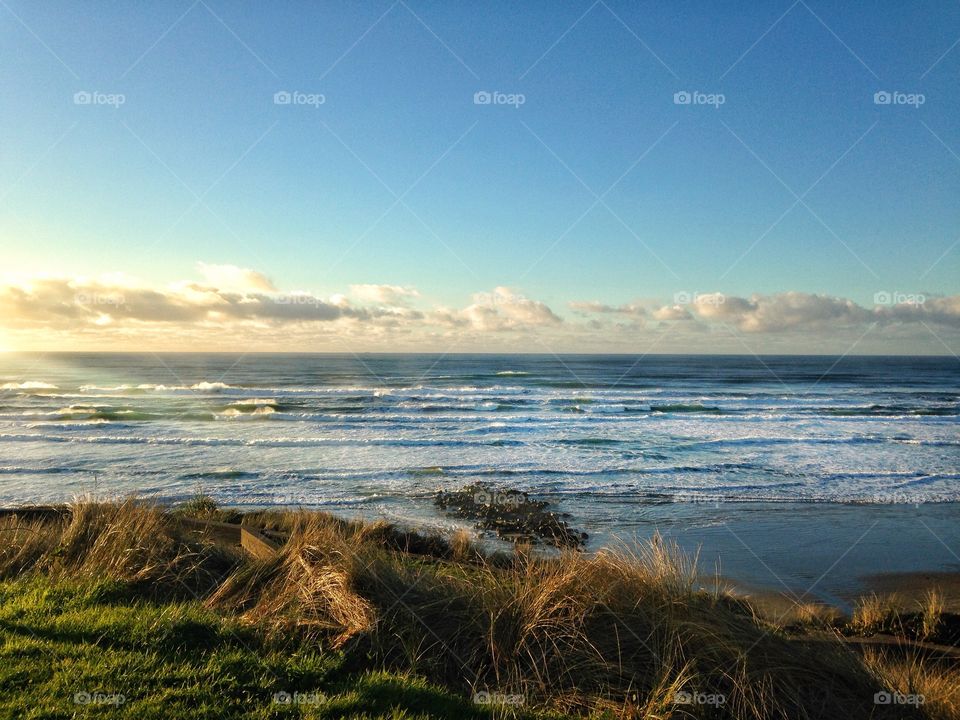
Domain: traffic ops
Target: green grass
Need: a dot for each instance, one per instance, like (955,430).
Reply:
(62,638)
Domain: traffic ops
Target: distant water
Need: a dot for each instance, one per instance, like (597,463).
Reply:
(343,430)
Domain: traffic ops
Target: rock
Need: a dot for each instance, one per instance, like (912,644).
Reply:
(511,514)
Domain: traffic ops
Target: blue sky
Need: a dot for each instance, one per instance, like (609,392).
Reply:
(200,164)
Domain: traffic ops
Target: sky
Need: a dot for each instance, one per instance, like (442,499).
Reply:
(448,176)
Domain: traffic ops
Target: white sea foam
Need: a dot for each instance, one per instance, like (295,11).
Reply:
(28,385)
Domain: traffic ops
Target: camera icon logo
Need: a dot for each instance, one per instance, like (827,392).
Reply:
(482,97)
(882,298)
(682,98)
(882,97)
(282,698)
(82,97)
(282,97)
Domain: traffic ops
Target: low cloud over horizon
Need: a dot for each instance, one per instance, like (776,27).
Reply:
(234,308)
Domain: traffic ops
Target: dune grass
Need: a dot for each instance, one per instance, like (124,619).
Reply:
(396,622)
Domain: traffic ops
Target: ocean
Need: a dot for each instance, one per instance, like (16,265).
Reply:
(623,443)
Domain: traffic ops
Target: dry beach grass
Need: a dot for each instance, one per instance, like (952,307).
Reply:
(616,633)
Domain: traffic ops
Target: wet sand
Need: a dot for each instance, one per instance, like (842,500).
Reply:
(911,587)
(826,552)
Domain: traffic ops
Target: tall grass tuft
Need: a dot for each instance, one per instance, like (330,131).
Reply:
(876,613)
(620,631)
(128,541)
(931,613)
(931,687)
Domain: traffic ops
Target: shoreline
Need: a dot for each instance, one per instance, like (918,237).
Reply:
(908,583)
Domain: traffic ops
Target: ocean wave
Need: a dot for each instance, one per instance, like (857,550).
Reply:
(253,442)
(685,408)
(28,385)
(781,440)
(255,402)
(102,414)
(891,410)
(203,386)
(258,412)
(226,474)
(20,470)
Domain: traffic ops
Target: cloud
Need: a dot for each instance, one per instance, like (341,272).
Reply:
(596,307)
(384,294)
(67,302)
(936,310)
(781,312)
(120,311)
(670,312)
(231,277)
(81,303)
(503,309)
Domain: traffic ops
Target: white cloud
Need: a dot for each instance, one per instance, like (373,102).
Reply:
(787,311)
(117,310)
(670,312)
(783,311)
(937,310)
(71,302)
(384,294)
(231,277)
(505,309)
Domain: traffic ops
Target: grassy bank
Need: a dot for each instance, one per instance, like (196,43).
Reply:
(110,600)
(94,648)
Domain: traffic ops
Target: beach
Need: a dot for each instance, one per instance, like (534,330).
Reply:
(477,536)
(800,474)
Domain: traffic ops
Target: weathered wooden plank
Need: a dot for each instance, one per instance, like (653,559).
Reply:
(224,532)
(35,512)
(258,544)
(250,539)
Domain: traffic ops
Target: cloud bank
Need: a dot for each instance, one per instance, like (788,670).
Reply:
(231,307)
